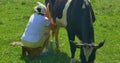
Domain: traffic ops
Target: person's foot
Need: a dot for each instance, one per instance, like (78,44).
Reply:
(73,60)
(45,54)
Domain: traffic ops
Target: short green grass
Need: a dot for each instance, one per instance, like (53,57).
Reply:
(14,15)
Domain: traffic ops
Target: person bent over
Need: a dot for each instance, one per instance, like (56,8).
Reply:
(36,35)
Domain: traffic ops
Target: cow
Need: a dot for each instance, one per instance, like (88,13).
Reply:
(77,17)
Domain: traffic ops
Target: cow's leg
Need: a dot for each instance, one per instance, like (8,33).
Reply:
(71,36)
(72,46)
(56,37)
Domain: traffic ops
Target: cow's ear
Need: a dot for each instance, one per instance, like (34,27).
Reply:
(79,45)
(101,44)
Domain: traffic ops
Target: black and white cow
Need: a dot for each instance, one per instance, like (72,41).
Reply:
(77,17)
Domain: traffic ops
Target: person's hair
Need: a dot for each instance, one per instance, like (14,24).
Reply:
(39,10)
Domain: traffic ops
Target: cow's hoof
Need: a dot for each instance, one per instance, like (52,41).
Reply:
(72,60)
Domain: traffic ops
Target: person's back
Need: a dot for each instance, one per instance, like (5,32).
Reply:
(36,27)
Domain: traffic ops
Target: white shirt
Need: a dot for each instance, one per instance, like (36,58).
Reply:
(35,29)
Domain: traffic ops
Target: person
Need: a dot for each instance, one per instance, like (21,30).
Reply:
(36,34)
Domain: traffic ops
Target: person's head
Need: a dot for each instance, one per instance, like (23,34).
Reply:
(40,8)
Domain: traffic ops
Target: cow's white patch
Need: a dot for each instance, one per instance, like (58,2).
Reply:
(83,6)
(63,20)
(86,3)
(87,52)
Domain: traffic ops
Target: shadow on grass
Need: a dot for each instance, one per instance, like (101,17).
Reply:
(55,56)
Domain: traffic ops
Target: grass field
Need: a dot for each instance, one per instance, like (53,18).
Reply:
(14,15)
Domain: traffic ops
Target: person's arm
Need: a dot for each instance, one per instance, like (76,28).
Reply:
(48,28)
(47,25)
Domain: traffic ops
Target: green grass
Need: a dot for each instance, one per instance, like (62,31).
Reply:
(14,15)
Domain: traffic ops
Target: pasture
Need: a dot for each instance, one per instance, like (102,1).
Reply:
(14,15)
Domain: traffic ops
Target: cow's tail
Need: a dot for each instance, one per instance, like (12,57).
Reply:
(54,29)
(16,44)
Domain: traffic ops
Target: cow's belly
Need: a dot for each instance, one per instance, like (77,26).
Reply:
(63,21)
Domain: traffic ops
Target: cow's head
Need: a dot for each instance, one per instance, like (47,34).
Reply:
(88,51)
